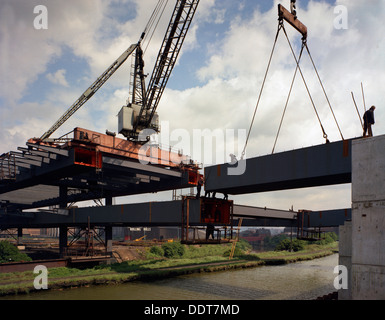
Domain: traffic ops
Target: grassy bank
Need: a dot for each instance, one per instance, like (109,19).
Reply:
(206,258)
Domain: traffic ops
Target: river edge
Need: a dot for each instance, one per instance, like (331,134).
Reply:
(110,278)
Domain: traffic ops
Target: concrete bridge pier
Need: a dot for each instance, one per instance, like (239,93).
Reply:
(63,240)
(108,239)
(19,236)
(366,234)
(63,230)
(345,257)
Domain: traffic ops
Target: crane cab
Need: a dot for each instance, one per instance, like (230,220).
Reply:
(127,118)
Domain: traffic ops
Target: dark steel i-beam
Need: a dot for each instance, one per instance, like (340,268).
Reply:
(320,165)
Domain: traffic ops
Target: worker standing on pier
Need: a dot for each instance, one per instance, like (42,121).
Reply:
(369,121)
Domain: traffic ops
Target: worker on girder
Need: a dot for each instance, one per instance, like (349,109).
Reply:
(199,186)
(369,121)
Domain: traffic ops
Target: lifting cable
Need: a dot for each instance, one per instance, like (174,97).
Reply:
(287,100)
(298,68)
(327,99)
(307,88)
(263,84)
(154,20)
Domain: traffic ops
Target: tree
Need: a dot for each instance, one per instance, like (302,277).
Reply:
(158,251)
(173,250)
(10,253)
(286,245)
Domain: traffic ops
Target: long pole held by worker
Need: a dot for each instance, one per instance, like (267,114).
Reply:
(359,116)
(363,96)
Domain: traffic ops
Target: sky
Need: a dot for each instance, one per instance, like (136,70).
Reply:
(215,84)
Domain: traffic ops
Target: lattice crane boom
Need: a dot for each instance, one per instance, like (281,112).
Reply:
(90,91)
(141,112)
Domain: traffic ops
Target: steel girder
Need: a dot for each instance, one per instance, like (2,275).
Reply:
(320,165)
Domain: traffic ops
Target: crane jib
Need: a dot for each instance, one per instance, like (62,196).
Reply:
(90,91)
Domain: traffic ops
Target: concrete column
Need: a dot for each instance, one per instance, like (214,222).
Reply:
(108,201)
(368,218)
(108,239)
(19,236)
(63,197)
(63,240)
(345,257)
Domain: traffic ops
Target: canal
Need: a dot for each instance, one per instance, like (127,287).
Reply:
(297,281)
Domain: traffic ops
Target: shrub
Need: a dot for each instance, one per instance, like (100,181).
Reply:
(157,251)
(205,250)
(243,245)
(237,252)
(270,243)
(286,245)
(10,253)
(173,250)
(330,237)
(240,248)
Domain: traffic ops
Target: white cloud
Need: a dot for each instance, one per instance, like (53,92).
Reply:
(24,53)
(219,16)
(58,77)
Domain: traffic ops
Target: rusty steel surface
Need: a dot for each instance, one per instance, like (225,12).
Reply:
(283,13)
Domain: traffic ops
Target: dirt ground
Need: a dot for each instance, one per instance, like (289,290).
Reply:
(126,253)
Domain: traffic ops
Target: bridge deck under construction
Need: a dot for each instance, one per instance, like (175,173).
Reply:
(98,166)
(169,213)
(89,166)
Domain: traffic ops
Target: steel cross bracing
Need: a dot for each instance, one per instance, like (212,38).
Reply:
(138,84)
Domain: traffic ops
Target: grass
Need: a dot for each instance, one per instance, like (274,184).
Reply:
(206,258)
